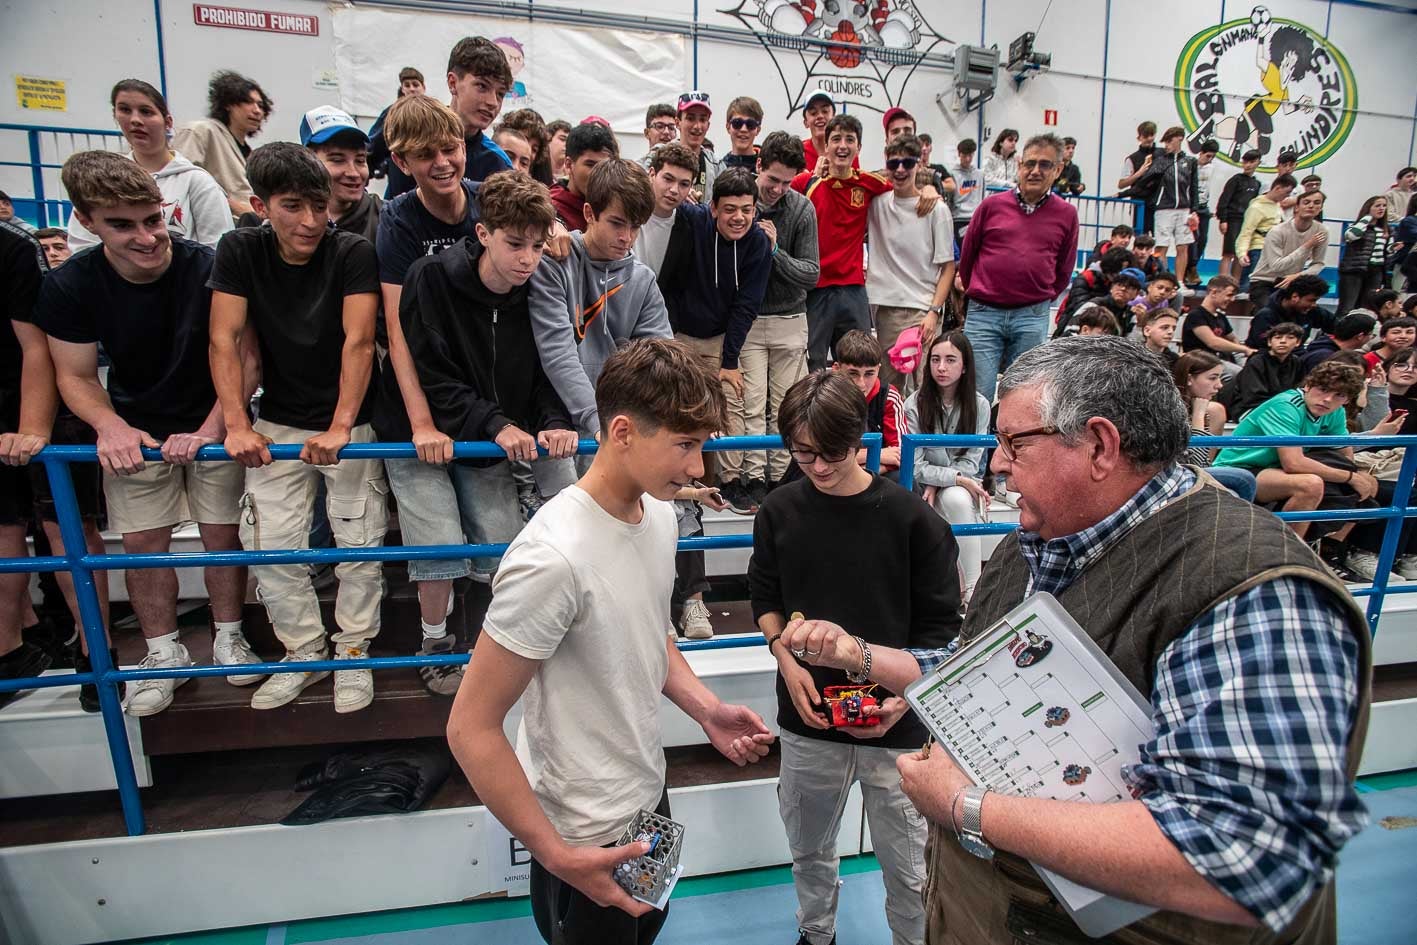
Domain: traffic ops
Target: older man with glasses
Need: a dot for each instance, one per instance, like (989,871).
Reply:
(1018,256)
(1255,659)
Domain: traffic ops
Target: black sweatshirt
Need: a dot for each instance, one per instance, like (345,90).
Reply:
(881,563)
(475,353)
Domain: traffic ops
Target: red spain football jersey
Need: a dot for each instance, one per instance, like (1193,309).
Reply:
(841,204)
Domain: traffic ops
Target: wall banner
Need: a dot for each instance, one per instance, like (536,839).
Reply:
(1266,83)
(876,47)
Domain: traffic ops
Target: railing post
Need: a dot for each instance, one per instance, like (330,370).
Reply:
(1392,531)
(71,526)
(907,461)
(874,442)
(37,179)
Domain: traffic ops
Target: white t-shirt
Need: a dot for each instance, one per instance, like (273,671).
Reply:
(907,252)
(653,241)
(587,595)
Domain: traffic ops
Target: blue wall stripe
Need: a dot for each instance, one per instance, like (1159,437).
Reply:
(161,52)
(1102,111)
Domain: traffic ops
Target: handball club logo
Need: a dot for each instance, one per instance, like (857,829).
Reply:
(1268,84)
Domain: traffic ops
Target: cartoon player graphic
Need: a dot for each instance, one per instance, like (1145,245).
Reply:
(1073,775)
(516,61)
(889,23)
(1030,652)
(1283,56)
(1056,716)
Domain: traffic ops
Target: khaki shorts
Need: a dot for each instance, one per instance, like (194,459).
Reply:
(162,495)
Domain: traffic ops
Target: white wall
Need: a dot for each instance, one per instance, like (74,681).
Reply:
(1114,64)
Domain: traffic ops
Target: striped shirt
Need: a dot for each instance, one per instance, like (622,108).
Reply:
(1252,708)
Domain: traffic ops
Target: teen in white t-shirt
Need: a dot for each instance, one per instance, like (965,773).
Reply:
(579,623)
(672,168)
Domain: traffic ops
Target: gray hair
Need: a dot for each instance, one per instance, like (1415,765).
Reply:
(1112,378)
(1046,140)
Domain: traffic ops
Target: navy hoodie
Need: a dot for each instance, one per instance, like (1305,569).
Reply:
(720,287)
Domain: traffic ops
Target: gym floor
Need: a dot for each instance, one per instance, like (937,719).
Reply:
(1375,882)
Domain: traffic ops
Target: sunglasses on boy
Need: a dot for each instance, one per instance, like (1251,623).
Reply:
(738,124)
(895,164)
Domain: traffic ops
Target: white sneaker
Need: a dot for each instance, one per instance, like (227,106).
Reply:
(282,688)
(1406,567)
(151,696)
(1363,564)
(233,650)
(354,688)
(695,622)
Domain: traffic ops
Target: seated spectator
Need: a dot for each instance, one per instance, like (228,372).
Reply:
(1404,261)
(1116,303)
(1396,334)
(1384,303)
(587,305)
(586,146)
(948,402)
(194,206)
(1296,301)
(1285,474)
(466,321)
(56,245)
(1158,328)
(309,294)
(1198,377)
(218,144)
(1401,380)
(7,215)
(143,296)
(1207,328)
(858,356)
(334,138)
(1144,256)
(1161,289)
(1266,373)
(1093,282)
(1095,320)
(1352,332)
(1371,407)
(1297,247)
(1120,238)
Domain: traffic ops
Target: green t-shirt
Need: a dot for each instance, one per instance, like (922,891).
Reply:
(1283,414)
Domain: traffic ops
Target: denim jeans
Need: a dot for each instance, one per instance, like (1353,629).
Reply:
(832,311)
(1254,256)
(1239,481)
(486,502)
(1000,335)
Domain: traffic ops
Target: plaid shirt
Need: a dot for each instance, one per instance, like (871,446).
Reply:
(1252,707)
(1027,207)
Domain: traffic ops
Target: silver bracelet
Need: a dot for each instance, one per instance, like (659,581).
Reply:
(954,802)
(865,673)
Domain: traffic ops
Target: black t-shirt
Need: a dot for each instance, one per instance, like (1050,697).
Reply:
(408,232)
(814,553)
(298,313)
(22,268)
(155,334)
(1198,317)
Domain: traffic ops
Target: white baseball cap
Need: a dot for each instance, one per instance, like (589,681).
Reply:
(323,123)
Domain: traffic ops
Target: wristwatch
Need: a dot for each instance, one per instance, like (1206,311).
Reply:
(937,309)
(971,829)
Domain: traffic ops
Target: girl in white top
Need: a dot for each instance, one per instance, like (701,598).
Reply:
(948,402)
(193,204)
(1001,166)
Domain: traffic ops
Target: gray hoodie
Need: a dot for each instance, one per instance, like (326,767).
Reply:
(193,204)
(795,267)
(581,312)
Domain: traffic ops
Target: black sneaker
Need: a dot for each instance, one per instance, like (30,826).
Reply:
(757,491)
(23,662)
(88,693)
(737,497)
(804,940)
(60,644)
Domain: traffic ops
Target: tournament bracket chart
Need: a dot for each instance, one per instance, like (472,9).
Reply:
(1025,715)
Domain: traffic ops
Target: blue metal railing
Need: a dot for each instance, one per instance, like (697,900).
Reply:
(106,677)
(76,560)
(37,136)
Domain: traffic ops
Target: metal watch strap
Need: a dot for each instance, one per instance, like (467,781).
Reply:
(971,828)
(865,673)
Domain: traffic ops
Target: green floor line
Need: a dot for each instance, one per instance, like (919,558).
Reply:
(1388,781)
(480,910)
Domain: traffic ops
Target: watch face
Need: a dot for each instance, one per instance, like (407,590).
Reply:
(976,846)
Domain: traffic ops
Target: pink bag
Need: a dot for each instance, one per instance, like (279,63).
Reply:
(905,353)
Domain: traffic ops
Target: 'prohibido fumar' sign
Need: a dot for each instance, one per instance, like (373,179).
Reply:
(1265,83)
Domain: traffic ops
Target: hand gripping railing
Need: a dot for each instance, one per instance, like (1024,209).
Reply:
(81,565)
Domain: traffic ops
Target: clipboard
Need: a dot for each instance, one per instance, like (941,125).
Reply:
(1032,707)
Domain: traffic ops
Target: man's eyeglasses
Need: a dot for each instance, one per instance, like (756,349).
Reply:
(809,457)
(1044,166)
(895,164)
(1008,441)
(738,124)
(664,126)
